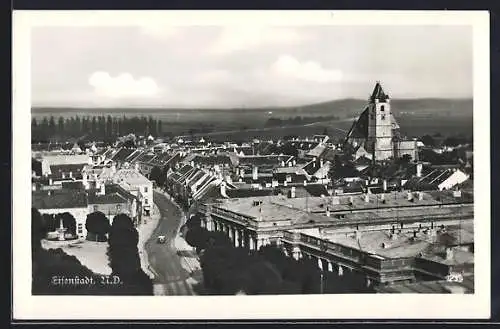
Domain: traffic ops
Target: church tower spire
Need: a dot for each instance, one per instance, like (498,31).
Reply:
(379,141)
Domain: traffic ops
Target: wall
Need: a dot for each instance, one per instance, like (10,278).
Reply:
(409,148)
(110,210)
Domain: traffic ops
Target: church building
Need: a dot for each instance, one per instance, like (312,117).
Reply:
(376,133)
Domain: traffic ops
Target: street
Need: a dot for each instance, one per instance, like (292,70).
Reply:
(170,276)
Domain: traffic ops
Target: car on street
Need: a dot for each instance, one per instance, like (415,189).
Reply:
(161,239)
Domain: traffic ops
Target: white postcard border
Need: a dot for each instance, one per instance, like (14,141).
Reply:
(352,306)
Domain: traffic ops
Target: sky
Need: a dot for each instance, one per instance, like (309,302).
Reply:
(243,66)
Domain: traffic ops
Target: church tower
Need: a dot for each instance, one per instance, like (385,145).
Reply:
(379,141)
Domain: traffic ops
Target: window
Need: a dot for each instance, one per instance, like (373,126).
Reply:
(382,108)
(80,228)
(145,201)
(146,189)
(96,208)
(118,208)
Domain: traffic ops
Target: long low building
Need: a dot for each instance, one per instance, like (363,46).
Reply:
(390,237)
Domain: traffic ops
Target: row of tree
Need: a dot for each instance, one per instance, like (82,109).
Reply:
(98,127)
(122,253)
(229,270)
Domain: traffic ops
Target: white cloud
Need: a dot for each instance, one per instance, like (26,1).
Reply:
(158,29)
(287,66)
(212,77)
(122,86)
(236,38)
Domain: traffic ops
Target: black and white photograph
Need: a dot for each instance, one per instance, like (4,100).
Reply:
(234,156)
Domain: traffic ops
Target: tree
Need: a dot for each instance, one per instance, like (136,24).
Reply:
(289,149)
(159,130)
(124,256)
(60,126)
(197,237)
(428,140)
(38,230)
(97,225)
(156,175)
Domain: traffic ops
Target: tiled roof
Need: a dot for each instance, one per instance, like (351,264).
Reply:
(304,145)
(130,176)
(263,160)
(134,155)
(113,194)
(425,287)
(122,154)
(184,170)
(67,168)
(59,199)
(317,151)
(245,193)
(316,189)
(430,179)
(72,185)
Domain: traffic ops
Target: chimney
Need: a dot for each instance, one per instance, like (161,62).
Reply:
(70,174)
(50,181)
(294,162)
(385,185)
(382,197)
(33,186)
(449,253)
(357,234)
(255,173)
(367,198)
(321,163)
(242,172)
(410,196)
(223,189)
(192,163)
(420,196)
(292,192)
(285,183)
(305,183)
(419,169)
(282,163)
(328,211)
(289,164)
(103,189)
(63,175)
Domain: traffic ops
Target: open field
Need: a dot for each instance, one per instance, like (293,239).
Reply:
(416,118)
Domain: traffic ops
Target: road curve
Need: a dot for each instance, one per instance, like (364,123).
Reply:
(170,276)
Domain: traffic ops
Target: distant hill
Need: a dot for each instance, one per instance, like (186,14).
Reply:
(435,106)
(341,108)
